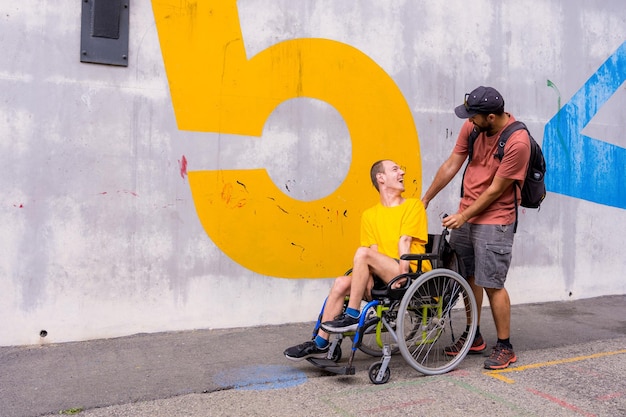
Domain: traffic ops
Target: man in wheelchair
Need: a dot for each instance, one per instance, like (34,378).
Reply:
(393,227)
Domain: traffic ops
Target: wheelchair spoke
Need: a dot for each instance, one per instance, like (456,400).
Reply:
(442,303)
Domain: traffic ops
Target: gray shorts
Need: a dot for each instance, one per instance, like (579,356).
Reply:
(485,251)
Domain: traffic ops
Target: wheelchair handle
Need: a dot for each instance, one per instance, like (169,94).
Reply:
(445,231)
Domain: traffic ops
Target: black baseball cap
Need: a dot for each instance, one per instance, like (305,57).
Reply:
(483,100)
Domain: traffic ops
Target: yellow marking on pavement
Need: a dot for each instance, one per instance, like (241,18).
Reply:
(496,373)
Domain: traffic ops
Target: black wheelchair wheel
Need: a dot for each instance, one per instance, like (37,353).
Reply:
(373,372)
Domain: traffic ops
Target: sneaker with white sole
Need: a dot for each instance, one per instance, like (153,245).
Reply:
(305,350)
(343,323)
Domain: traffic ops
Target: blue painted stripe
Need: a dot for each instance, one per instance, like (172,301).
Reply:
(260,377)
(580,166)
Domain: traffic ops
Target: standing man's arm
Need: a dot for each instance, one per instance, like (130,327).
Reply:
(444,175)
(498,186)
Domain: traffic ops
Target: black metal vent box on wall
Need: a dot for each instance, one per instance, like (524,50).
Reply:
(104,32)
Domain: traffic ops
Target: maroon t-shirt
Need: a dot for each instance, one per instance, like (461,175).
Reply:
(484,167)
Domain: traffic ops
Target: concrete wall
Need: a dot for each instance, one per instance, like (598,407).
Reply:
(217,180)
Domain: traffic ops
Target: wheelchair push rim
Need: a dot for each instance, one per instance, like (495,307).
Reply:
(441,306)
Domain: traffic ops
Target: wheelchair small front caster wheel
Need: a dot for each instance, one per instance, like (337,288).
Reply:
(336,356)
(374,370)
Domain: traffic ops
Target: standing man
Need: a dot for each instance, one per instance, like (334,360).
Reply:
(391,228)
(483,227)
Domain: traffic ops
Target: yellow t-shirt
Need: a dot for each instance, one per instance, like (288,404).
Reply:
(383,226)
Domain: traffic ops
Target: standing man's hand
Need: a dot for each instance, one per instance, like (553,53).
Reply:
(491,194)
(454,221)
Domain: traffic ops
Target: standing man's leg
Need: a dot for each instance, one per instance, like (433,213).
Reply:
(502,354)
(478,295)
(461,242)
(494,244)
(501,311)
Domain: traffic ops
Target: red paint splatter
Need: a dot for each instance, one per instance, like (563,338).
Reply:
(610,396)
(183,167)
(227,193)
(231,197)
(122,192)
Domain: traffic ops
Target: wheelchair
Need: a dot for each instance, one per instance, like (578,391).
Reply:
(428,312)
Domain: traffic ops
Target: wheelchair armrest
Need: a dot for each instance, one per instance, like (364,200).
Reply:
(419,257)
(394,293)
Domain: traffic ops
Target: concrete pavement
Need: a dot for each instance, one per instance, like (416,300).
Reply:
(572,361)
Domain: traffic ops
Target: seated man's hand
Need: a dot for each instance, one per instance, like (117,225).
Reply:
(398,284)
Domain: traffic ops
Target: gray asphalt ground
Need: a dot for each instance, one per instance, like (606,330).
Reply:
(571,362)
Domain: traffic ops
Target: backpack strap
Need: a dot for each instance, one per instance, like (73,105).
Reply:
(506,133)
(470,153)
(471,140)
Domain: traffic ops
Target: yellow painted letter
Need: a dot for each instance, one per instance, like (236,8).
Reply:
(216,88)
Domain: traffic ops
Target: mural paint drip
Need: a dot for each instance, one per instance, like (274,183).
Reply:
(183,167)
(580,166)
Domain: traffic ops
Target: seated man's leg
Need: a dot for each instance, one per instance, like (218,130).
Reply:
(367,262)
(318,347)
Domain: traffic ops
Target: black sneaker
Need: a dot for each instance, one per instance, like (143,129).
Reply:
(306,350)
(343,323)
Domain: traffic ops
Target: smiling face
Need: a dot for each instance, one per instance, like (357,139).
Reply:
(392,176)
(482,122)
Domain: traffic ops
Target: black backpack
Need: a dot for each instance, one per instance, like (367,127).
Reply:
(534,189)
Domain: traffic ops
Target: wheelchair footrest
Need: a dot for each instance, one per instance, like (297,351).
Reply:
(330,366)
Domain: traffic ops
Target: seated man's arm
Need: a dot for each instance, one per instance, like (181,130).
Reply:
(404,246)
